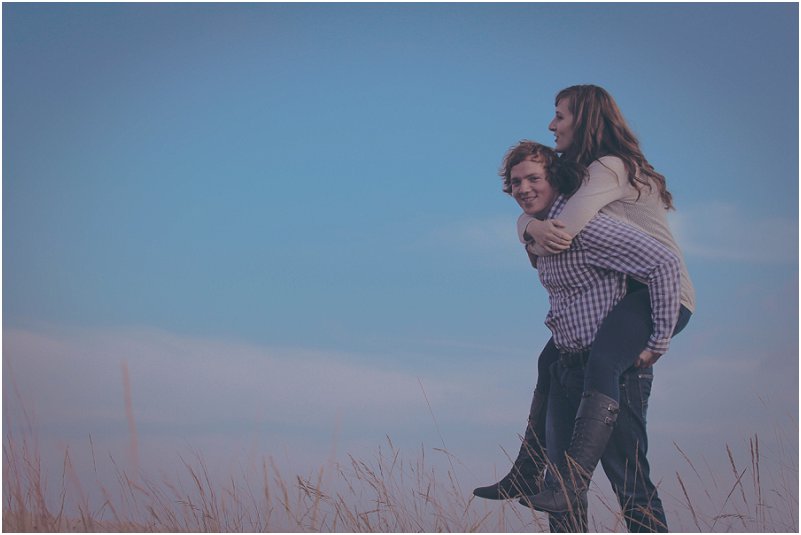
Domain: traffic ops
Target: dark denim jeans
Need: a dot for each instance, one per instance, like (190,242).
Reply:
(619,340)
(624,461)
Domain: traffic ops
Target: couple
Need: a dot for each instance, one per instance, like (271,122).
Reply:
(596,230)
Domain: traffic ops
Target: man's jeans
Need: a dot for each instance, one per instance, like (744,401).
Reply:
(624,461)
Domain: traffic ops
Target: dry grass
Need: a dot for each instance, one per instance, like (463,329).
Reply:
(387,494)
(747,507)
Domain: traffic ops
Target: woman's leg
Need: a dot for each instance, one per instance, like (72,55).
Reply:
(523,478)
(620,339)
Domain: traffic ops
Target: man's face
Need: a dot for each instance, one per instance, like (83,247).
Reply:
(531,189)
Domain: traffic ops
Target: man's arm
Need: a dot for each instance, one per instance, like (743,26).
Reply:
(612,244)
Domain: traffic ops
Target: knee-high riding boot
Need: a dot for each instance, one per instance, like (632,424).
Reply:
(524,477)
(595,421)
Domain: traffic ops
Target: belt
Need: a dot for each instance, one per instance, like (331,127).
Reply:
(573,359)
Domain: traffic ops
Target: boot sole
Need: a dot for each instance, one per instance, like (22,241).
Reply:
(571,507)
(530,505)
(497,497)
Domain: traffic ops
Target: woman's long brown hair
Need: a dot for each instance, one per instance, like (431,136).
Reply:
(599,129)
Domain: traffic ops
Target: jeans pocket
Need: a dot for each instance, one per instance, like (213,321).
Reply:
(645,381)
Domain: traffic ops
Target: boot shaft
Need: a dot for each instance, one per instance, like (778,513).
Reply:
(595,421)
(531,456)
(597,406)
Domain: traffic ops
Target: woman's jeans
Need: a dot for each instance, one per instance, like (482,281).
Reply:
(621,338)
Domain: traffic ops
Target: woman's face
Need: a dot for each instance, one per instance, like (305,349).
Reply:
(531,189)
(562,126)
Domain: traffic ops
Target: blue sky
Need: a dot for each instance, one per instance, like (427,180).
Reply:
(311,190)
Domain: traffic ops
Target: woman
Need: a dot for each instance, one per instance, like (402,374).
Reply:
(590,131)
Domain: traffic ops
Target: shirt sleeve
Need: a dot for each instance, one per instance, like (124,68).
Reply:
(612,244)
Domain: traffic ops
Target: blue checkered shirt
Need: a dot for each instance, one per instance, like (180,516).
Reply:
(587,280)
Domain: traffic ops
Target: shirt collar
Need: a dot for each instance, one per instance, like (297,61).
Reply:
(557,206)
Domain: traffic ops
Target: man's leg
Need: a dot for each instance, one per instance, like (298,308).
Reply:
(563,402)
(625,462)
(620,339)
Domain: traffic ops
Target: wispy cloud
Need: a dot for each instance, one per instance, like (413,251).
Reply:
(714,230)
(491,239)
(724,231)
(74,381)
(226,399)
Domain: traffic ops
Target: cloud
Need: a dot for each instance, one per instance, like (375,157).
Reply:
(186,381)
(724,231)
(490,239)
(72,380)
(714,230)
(234,402)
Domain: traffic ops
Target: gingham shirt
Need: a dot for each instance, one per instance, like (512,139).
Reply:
(587,280)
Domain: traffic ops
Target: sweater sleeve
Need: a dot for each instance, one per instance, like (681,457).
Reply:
(607,182)
(522,222)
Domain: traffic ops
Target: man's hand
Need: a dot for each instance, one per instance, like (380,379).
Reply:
(647,358)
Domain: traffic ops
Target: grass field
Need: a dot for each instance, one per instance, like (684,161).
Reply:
(389,493)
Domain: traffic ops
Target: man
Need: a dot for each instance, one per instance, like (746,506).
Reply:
(584,284)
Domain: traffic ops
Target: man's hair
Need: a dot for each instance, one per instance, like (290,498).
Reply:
(599,129)
(563,175)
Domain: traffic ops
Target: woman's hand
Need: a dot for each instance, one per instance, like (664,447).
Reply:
(548,236)
(647,358)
